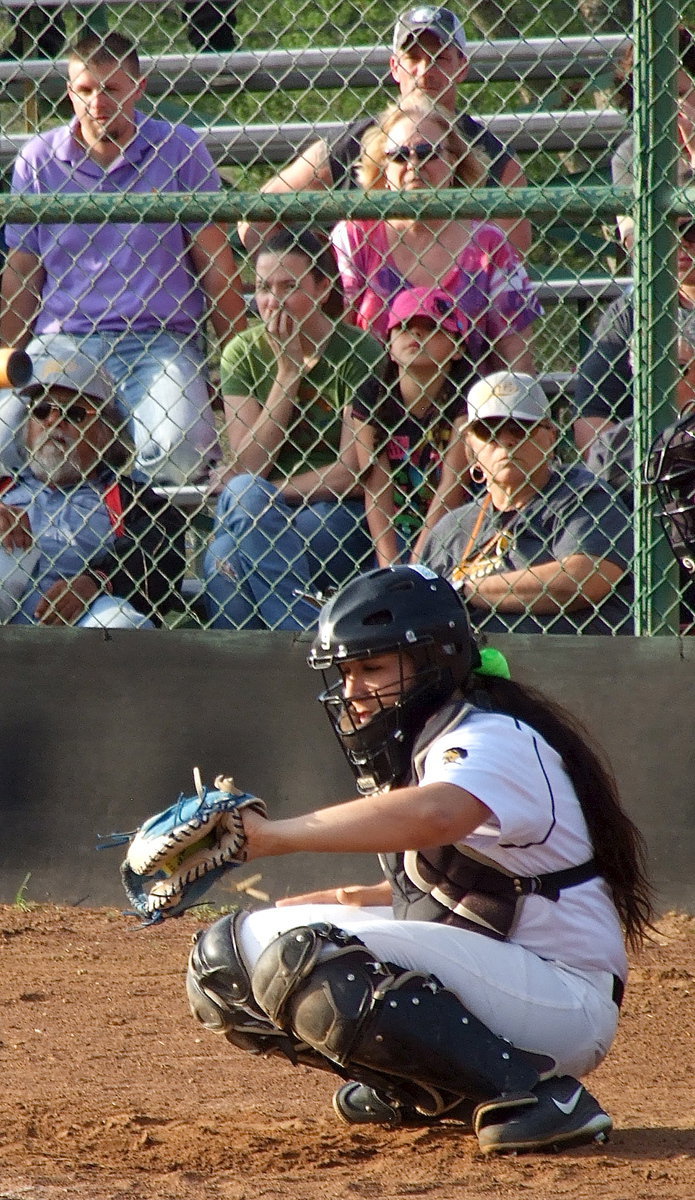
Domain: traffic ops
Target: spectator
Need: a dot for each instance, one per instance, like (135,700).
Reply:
(413,464)
(611,454)
(211,26)
(472,260)
(670,468)
(291,514)
(131,296)
(81,545)
(603,395)
(39,32)
(622,163)
(428,62)
(547,548)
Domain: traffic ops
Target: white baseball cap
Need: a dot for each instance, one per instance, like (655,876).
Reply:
(506,395)
(58,366)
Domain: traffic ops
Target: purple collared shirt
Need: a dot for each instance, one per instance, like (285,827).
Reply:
(115,278)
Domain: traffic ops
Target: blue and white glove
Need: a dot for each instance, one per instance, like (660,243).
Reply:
(180,852)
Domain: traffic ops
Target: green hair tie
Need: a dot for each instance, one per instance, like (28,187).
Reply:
(493,662)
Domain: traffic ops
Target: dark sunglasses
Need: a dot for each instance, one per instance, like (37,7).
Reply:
(75,413)
(421,151)
(686,232)
(491,430)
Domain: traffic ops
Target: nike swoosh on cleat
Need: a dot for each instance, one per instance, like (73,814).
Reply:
(568,1106)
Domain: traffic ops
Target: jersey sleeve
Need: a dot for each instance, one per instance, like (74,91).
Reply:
(508,767)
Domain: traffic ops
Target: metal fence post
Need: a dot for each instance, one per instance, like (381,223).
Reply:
(656,291)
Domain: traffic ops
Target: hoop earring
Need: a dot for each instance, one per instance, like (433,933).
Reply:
(477,473)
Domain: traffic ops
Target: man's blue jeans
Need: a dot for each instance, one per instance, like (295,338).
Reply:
(263,551)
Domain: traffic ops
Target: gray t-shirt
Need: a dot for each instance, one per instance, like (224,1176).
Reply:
(574,514)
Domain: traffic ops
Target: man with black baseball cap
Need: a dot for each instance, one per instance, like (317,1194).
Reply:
(428,59)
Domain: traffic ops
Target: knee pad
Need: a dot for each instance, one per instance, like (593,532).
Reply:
(219,991)
(220,997)
(319,983)
(217,982)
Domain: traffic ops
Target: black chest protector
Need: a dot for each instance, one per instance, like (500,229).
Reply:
(458,886)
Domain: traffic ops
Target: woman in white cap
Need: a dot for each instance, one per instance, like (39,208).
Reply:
(545,547)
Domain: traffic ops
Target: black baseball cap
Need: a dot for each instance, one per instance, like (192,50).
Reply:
(442,22)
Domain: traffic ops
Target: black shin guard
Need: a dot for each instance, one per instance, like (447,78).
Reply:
(378,1021)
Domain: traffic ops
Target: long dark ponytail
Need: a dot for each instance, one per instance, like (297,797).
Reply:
(619,847)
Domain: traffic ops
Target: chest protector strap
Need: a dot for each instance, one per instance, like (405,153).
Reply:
(456,885)
(460,887)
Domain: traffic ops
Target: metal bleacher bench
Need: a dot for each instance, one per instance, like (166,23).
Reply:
(174,75)
(536,59)
(594,131)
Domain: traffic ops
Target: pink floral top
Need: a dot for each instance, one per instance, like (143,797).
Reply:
(488,282)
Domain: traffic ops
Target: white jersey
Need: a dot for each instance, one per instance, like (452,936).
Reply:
(535,826)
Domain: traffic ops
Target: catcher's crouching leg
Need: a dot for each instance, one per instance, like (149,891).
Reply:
(220,996)
(399,1031)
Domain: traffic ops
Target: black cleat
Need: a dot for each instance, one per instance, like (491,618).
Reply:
(558,1113)
(358,1104)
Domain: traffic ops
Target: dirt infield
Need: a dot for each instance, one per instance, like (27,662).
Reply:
(111,1092)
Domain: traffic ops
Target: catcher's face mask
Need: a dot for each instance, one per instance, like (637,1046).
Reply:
(413,626)
(671,469)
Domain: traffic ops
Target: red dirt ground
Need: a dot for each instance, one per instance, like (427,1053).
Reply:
(112,1092)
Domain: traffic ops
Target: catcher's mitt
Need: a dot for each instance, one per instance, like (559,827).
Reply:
(184,849)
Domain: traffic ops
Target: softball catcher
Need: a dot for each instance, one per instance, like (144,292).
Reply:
(484,976)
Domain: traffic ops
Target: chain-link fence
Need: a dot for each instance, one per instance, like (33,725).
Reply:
(329,387)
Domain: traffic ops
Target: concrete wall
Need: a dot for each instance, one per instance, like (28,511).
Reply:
(98,732)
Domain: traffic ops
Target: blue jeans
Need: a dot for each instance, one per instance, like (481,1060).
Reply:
(263,550)
(162,389)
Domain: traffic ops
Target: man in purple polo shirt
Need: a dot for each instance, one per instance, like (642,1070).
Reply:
(134,298)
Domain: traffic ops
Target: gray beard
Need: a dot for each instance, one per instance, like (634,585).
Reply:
(53,463)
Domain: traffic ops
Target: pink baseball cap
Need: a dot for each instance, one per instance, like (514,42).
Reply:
(428,302)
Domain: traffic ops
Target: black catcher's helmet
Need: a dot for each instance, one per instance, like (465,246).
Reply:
(671,468)
(393,610)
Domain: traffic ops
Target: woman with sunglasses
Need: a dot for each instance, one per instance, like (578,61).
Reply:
(416,146)
(543,548)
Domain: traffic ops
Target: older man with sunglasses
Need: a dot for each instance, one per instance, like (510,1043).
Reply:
(79,543)
(429,60)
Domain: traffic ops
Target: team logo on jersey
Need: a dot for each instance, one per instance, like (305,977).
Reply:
(454,754)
